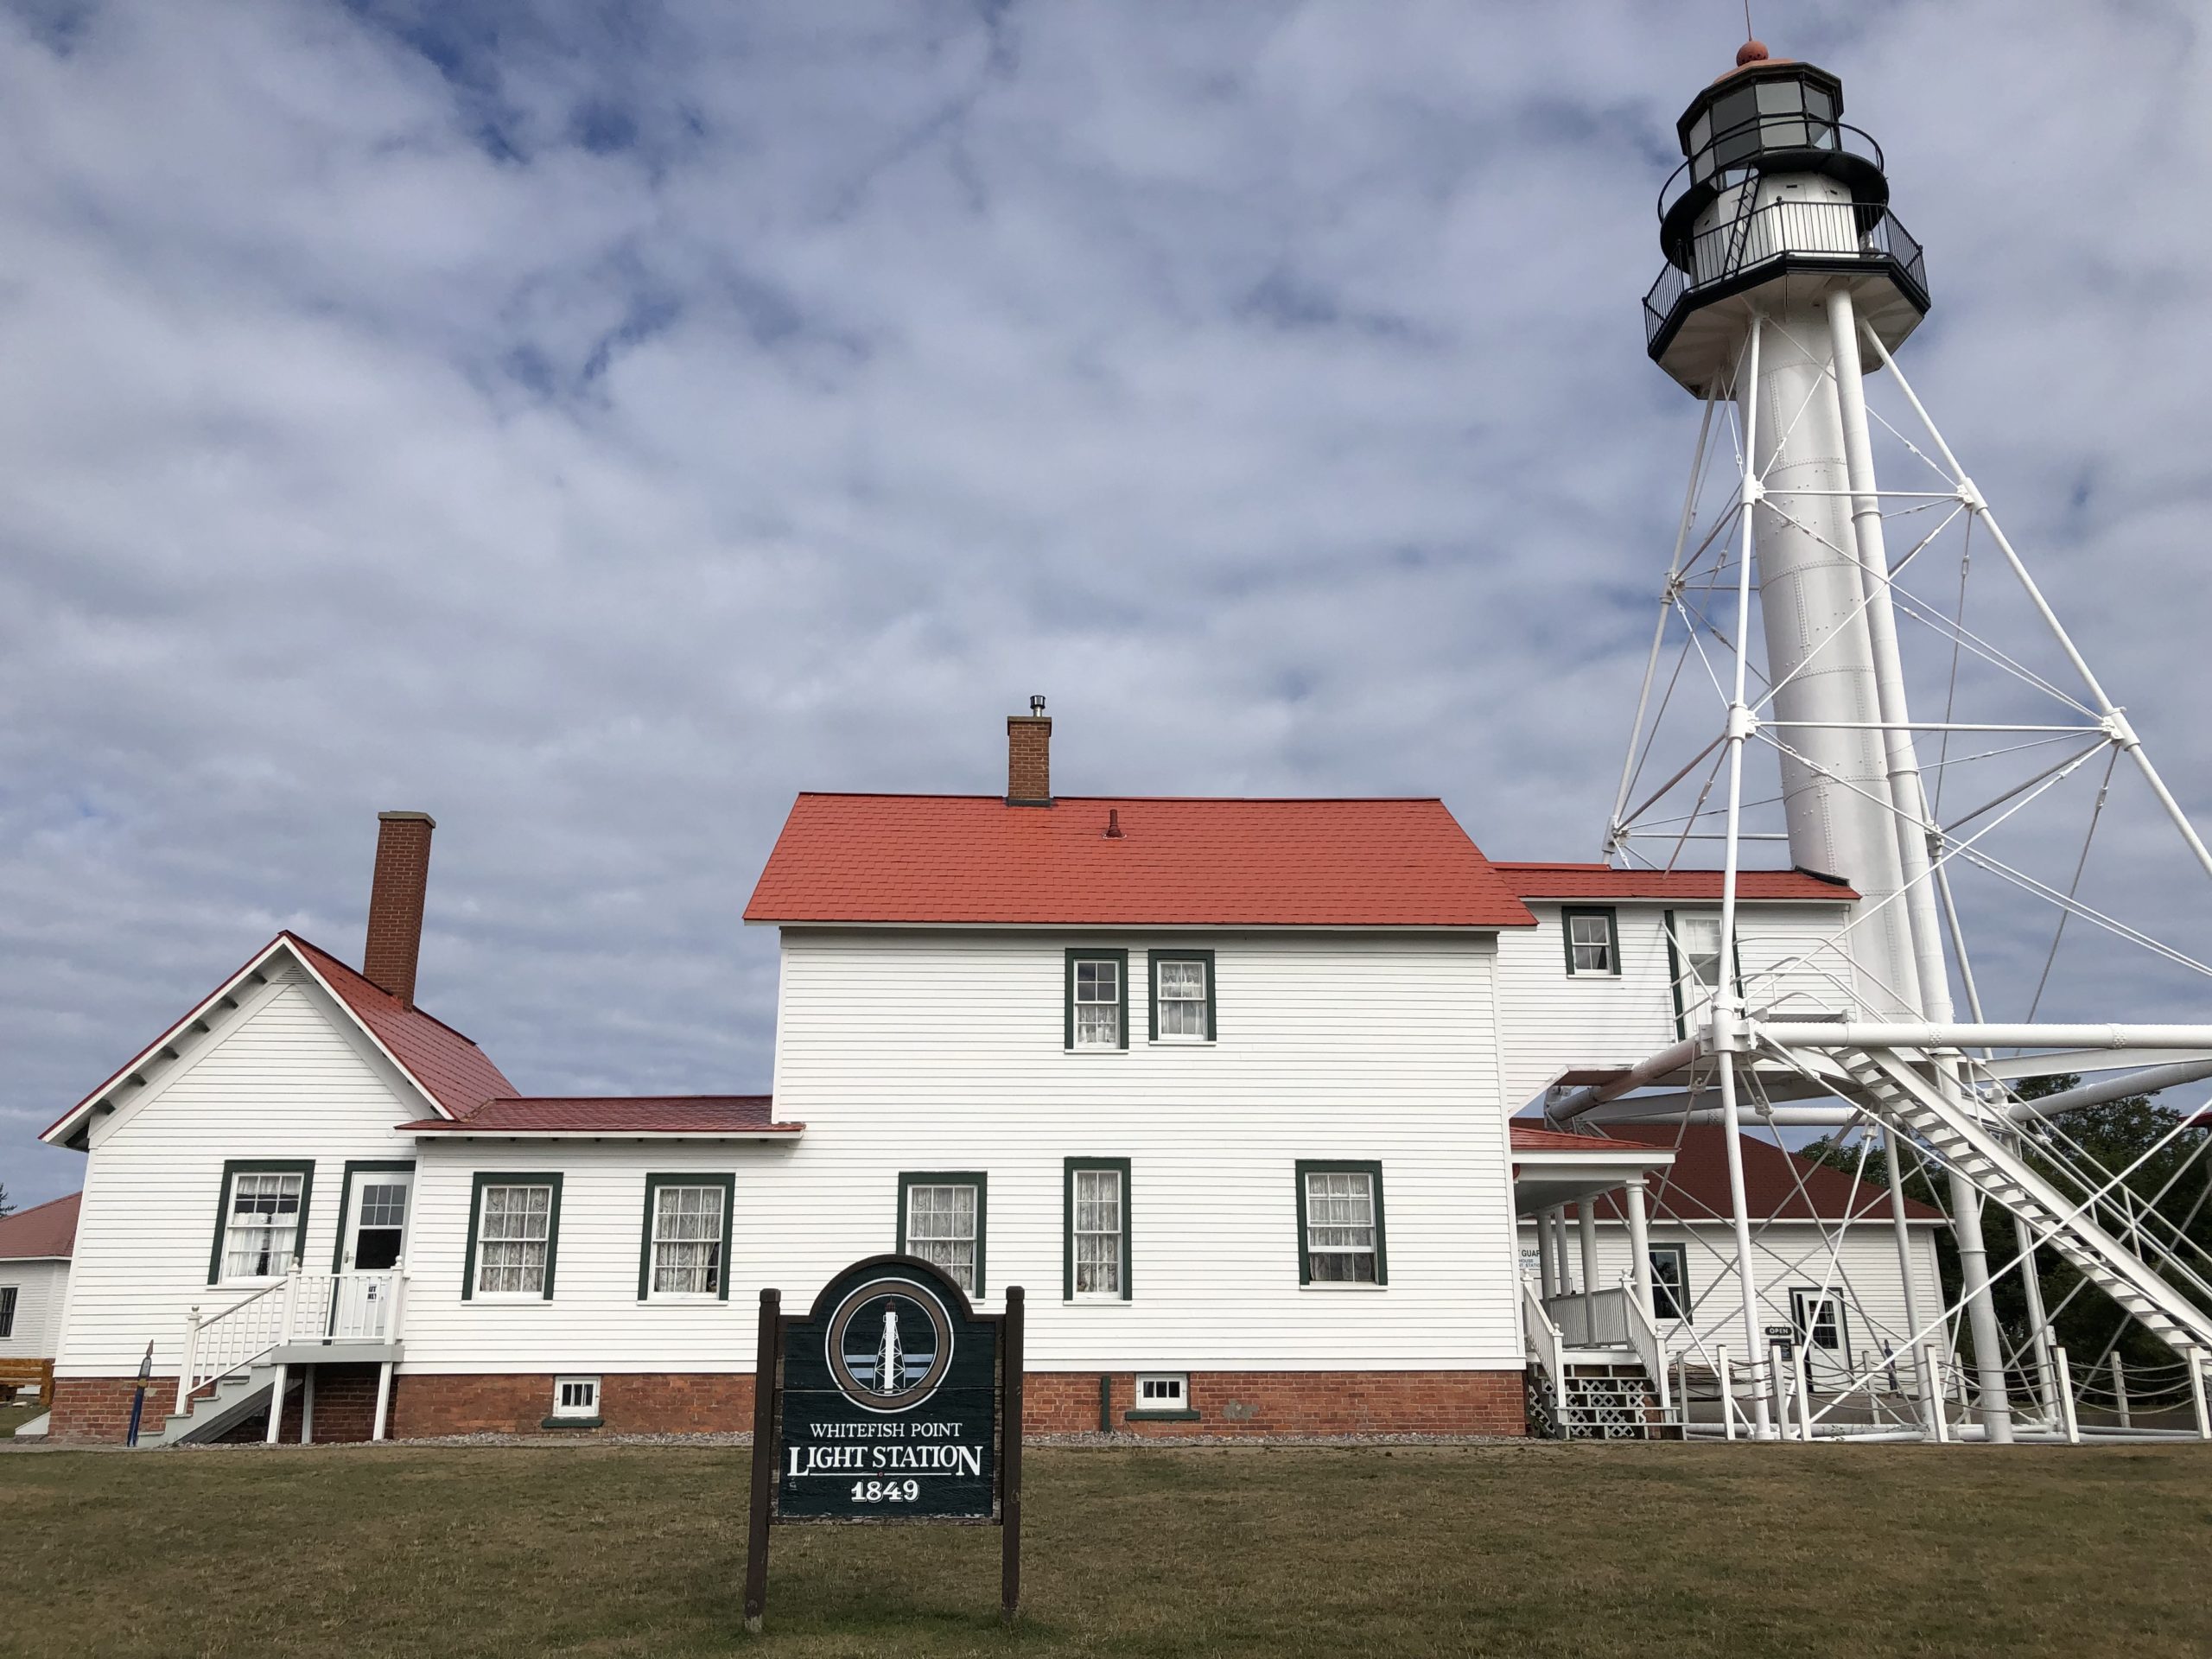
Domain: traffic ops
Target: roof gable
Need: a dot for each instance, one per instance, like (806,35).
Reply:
(973,860)
(45,1231)
(449,1069)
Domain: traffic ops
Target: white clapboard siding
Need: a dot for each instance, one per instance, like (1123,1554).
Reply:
(1556,1021)
(939,1051)
(41,1288)
(287,1075)
(1786,1256)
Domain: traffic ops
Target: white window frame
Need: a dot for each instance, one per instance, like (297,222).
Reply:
(482,1264)
(1165,964)
(1171,1398)
(1678,1288)
(719,1271)
(226,1223)
(587,1406)
(933,1181)
(1570,917)
(1119,1252)
(7,1311)
(1113,1005)
(1375,1249)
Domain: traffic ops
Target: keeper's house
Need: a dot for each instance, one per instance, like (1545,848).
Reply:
(35,1250)
(1226,1084)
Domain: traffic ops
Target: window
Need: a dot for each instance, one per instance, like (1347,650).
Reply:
(941,1220)
(1818,1316)
(575,1403)
(1592,940)
(1340,1225)
(261,1224)
(686,1251)
(514,1235)
(1693,961)
(1095,1261)
(1670,1282)
(1162,1394)
(1098,999)
(7,1311)
(1182,996)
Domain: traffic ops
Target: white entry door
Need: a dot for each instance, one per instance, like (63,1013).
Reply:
(378,1203)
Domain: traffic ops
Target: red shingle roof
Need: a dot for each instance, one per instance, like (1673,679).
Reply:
(1603,881)
(1696,1188)
(691,1115)
(1528,1139)
(48,1230)
(951,860)
(458,1074)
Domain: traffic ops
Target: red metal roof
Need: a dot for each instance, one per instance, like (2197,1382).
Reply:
(1697,1187)
(46,1229)
(697,1114)
(458,1074)
(1603,881)
(951,860)
(1527,1138)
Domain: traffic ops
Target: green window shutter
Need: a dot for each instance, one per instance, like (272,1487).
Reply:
(497,1178)
(726,1182)
(302,1168)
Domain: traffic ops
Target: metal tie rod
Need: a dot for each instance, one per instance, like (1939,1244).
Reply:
(1827,1034)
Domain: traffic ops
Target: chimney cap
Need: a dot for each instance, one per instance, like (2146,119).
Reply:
(1037,703)
(403,816)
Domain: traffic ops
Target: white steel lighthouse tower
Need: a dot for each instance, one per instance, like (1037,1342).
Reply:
(1788,283)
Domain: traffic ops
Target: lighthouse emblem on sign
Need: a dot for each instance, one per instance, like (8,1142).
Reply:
(889,1344)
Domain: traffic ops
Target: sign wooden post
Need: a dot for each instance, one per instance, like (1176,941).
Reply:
(891,1400)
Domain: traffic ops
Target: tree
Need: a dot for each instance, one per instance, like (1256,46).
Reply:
(7,1204)
(2174,1183)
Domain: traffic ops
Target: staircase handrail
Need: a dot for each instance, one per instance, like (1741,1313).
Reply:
(1544,1339)
(1643,1335)
(2071,1224)
(215,1347)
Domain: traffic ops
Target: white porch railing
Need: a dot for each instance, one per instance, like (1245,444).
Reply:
(1591,1319)
(1643,1335)
(314,1308)
(1544,1343)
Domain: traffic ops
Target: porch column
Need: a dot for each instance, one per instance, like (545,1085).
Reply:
(307,1404)
(1639,1244)
(383,1400)
(1556,1229)
(275,1406)
(1546,1267)
(1585,1215)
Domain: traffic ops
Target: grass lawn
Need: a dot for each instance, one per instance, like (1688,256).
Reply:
(1583,1550)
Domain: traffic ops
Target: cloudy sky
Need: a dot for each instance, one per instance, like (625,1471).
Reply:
(594,424)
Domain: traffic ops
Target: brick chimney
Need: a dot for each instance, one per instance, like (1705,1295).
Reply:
(402,873)
(1029,757)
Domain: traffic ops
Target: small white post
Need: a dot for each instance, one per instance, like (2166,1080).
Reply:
(307,1406)
(2065,1379)
(276,1405)
(1547,1265)
(2196,1393)
(1804,1396)
(2119,1389)
(383,1400)
(1639,1244)
(1779,1369)
(1940,1404)
(1727,1389)
(191,1354)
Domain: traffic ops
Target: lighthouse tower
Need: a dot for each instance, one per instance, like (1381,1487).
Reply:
(1781,258)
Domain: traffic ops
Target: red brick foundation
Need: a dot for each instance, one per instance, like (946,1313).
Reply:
(1288,1402)
(682,1402)
(1228,1404)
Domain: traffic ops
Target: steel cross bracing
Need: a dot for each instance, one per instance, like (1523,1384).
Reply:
(1936,1096)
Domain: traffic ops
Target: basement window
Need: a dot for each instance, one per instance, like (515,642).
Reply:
(575,1403)
(1162,1394)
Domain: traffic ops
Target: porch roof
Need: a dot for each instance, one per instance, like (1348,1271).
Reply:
(1550,1168)
(598,1117)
